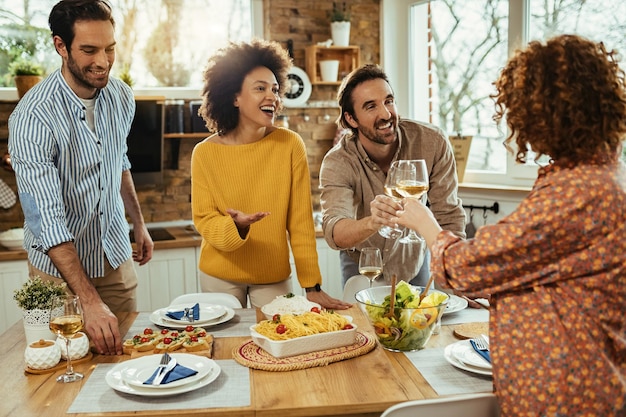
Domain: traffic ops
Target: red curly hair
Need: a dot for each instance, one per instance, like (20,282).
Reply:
(565,99)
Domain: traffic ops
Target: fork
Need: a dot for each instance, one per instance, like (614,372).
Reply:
(165,359)
(189,315)
(482,348)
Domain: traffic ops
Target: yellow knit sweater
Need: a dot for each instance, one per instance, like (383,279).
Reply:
(269,175)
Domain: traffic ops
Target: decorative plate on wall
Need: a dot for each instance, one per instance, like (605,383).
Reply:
(298,88)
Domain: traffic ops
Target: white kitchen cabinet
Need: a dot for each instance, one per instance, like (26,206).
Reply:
(12,275)
(328,260)
(170,273)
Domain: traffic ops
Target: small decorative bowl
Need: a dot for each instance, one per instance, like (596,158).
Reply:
(43,354)
(79,346)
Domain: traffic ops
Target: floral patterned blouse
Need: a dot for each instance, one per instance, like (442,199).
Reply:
(556,272)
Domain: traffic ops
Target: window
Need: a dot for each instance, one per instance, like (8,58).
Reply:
(160,44)
(455,50)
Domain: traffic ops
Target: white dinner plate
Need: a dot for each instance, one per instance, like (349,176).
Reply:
(115,380)
(447,353)
(207,313)
(464,352)
(455,303)
(157,319)
(139,370)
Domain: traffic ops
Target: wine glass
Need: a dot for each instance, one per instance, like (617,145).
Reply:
(390,190)
(370,263)
(66,319)
(412,182)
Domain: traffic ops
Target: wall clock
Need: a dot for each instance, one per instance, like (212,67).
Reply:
(298,88)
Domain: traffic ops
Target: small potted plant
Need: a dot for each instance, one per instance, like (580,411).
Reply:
(26,73)
(34,299)
(340,24)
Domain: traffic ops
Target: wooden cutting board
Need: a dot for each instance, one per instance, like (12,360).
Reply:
(471,330)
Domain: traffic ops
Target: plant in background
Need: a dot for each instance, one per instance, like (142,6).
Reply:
(25,66)
(125,76)
(37,294)
(340,14)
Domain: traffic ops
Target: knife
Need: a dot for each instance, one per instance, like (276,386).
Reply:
(161,376)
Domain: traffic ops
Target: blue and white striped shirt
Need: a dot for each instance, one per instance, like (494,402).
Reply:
(69,177)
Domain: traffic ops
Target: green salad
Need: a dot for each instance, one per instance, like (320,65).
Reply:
(411,325)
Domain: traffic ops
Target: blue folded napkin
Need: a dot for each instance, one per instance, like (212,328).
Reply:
(179,315)
(483,353)
(179,372)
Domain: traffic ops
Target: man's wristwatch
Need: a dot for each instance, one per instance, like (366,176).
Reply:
(317,288)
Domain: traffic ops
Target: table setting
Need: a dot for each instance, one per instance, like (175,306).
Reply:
(222,383)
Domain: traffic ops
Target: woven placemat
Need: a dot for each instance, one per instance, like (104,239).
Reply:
(253,356)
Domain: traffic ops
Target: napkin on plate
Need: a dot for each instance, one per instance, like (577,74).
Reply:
(483,353)
(179,315)
(179,372)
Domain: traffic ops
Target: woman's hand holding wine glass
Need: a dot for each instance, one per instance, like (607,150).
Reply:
(370,263)
(66,319)
(412,182)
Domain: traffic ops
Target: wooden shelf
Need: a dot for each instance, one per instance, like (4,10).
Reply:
(197,135)
(349,58)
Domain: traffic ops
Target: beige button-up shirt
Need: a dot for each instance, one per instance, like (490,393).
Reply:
(349,181)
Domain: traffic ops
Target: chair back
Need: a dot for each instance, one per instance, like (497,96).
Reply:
(220,298)
(353,285)
(470,405)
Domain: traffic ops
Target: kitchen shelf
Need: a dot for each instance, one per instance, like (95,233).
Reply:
(349,58)
(196,135)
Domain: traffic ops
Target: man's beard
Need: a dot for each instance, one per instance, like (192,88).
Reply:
(80,78)
(374,136)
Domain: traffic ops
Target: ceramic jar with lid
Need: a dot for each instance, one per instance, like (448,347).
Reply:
(79,346)
(43,354)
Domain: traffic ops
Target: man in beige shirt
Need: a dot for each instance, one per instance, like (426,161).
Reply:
(353,173)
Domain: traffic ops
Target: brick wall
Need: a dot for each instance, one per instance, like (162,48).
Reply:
(305,23)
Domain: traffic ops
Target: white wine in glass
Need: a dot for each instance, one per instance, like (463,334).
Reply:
(370,263)
(66,319)
(412,182)
(390,190)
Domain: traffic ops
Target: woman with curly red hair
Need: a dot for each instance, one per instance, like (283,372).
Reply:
(556,266)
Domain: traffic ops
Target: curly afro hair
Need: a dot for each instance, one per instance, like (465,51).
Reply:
(224,75)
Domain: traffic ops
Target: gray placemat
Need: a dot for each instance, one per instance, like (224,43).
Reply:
(467,315)
(230,389)
(236,327)
(445,378)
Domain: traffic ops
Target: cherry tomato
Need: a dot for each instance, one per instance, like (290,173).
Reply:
(348,326)
(280,329)
(167,340)
(276,318)
(201,334)
(164,331)
(147,331)
(174,335)
(145,340)
(137,337)
(194,338)
(315,309)
(189,328)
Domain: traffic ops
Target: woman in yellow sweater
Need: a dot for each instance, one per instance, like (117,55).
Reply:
(251,196)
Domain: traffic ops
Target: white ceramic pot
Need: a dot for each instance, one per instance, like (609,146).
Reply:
(42,354)
(79,346)
(36,325)
(329,70)
(340,32)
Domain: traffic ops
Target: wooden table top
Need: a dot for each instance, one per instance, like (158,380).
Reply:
(362,386)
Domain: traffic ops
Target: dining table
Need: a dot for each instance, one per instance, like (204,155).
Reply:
(364,385)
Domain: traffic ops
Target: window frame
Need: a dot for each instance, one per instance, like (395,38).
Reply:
(396,53)
(256,9)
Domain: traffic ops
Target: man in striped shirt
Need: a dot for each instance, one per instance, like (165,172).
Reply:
(67,140)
